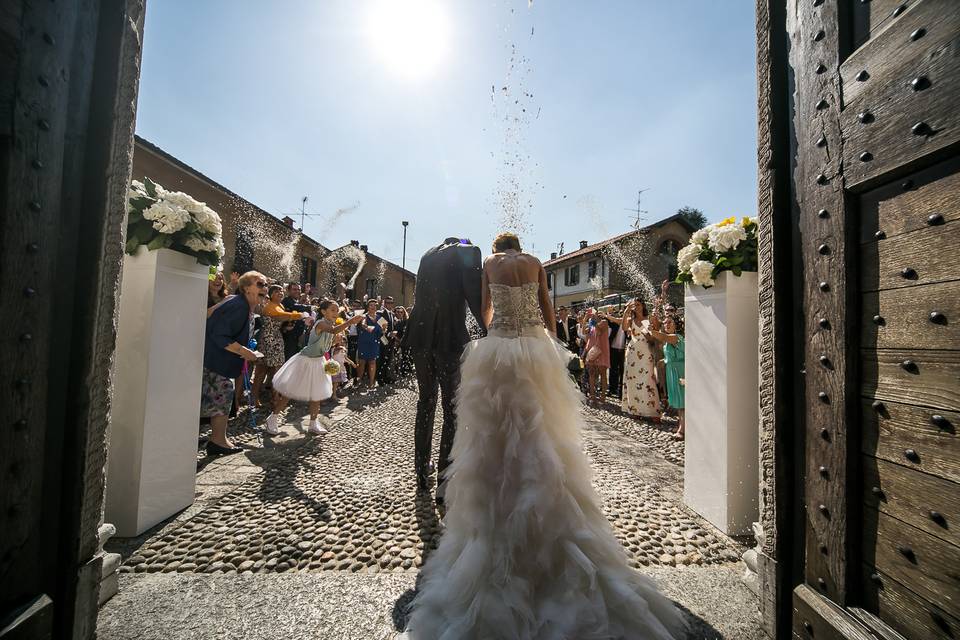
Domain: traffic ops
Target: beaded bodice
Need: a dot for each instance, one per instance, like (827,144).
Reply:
(516,309)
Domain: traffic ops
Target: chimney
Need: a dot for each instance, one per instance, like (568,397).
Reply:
(553,256)
(583,244)
(355,243)
(287,220)
(363,248)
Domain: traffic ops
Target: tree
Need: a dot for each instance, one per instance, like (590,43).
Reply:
(694,216)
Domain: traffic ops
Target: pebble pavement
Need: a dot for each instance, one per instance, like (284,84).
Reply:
(347,502)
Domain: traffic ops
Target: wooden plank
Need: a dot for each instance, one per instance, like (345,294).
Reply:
(887,136)
(923,378)
(894,211)
(907,318)
(869,18)
(880,628)
(889,59)
(815,57)
(892,428)
(817,617)
(905,611)
(928,566)
(924,501)
(923,251)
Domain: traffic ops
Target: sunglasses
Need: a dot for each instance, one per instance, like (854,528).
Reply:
(261,285)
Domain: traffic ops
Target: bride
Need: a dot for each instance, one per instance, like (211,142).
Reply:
(527,552)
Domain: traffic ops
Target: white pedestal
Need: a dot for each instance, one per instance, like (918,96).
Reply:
(720,475)
(152,463)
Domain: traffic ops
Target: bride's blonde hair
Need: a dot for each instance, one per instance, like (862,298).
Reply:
(506,241)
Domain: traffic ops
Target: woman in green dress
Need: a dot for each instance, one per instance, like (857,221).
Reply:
(672,338)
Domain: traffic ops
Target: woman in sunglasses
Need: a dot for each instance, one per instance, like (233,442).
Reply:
(224,350)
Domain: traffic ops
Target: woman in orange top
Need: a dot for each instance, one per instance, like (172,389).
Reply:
(271,342)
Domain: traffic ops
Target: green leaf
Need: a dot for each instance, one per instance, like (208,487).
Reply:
(150,186)
(132,245)
(160,242)
(143,231)
(141,203)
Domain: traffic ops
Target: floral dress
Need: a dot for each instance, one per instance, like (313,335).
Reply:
(271,339)
(640,397)
(271,342)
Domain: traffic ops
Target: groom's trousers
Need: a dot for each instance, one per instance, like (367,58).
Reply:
(435,371)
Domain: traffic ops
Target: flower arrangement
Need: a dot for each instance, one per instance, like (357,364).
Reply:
(724,246)
(331,367)
(162,219)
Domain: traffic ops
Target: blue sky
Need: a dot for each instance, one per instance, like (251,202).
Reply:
(277,100)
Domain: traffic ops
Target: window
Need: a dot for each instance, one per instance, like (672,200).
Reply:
(550,280)
(669,247)
(243,256)
(308,271)
(591,270)
(571,275)
(371,287)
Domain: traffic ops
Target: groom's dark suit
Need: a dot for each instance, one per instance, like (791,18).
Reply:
(448,280)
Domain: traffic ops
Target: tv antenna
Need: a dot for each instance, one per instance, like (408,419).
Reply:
(560,249)
(639,211)
(303,212)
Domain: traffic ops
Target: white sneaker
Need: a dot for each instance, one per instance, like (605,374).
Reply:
(315,428)
(273,424)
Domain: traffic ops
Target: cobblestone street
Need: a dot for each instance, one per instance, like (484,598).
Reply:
(332,525)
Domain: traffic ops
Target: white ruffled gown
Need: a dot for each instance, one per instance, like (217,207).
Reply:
(527,553)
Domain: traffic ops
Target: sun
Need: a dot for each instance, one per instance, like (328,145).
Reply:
(412,37)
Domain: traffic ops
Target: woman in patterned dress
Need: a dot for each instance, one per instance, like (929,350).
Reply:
(271,342)
(640,397)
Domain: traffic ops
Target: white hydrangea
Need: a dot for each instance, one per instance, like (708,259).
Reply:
(687,256)
(208,220)
(700,236)
(184,201)
(199,243)
(726,237)
(166,217)
(702,271)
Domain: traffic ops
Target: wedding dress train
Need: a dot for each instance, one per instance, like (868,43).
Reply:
(527,553)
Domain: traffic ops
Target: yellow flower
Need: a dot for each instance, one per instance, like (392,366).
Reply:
(747,221)
(339,320)
(725,222)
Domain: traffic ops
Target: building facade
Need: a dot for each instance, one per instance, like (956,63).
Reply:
(254,238)
(619,265)
(378,277)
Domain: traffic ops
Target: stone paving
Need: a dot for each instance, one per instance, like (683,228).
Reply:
(346,501)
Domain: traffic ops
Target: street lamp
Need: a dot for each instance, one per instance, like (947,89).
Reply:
(403,265)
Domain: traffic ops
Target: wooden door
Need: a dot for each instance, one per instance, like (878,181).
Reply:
(68,89)
(877,180)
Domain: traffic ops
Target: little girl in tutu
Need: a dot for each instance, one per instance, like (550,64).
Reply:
(339,355)
(304,376)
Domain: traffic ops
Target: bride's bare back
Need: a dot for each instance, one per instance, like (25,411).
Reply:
(514,269)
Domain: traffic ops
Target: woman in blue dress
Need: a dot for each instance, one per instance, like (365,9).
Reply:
(368,344)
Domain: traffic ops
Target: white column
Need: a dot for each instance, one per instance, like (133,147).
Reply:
(156,402)
(721,480)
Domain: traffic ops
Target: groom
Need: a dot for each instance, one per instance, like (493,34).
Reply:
(448,280)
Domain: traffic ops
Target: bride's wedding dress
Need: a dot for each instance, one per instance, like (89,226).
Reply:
(527,552)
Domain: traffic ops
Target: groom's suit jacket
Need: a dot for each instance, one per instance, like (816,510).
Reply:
(448,281)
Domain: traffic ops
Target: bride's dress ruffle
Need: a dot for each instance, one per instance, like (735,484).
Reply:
(527,552)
